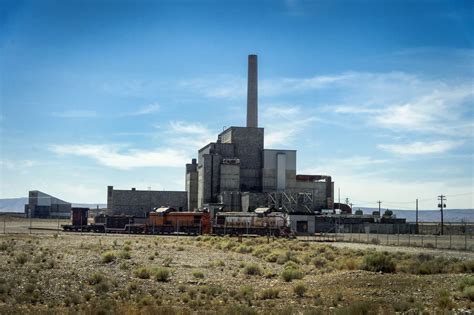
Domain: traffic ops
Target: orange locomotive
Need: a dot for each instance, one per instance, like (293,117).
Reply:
(164,220)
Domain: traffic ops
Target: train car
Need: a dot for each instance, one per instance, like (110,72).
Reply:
(167,220)
(263,221)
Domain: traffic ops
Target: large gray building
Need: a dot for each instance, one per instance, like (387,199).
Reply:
(238,173)
(42,205)
(140,202)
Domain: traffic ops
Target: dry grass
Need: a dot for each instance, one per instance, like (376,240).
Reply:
(219,275)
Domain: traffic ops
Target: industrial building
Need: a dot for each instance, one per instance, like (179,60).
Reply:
(140,202)
(42,205)
(236,173)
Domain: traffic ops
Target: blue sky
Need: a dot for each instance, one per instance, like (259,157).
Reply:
(378,94)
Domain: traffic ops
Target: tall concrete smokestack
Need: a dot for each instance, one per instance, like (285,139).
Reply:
(252,93)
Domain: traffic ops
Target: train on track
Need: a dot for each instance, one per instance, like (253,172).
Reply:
(164,220)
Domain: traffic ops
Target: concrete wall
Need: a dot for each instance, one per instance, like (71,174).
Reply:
(270,172)
(230,177)
(248,146)
(140,202)
(192,185)
(231,200)
(299,221)
(251,201)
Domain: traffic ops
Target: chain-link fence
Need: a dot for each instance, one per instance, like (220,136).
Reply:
(456,236)
(19,225)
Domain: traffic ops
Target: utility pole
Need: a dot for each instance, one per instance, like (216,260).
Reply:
(417,216)
(442,205)
(379,202)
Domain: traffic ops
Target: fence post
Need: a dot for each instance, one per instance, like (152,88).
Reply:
(436,241)
(4,224)
(409,239)
(387,233)
(422,240)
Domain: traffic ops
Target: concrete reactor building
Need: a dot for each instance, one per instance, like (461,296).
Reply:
(236,173)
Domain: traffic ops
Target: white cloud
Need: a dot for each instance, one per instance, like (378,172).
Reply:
(191,136)
(221,86)
(283,123)
(421,148)
(151,108)
(117,157)
(76,114)
(17,164)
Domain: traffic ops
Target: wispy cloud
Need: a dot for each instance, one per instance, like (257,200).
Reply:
(221,86)
(421,148)
(117,156)
(189,135)
(291,121)
(76,114)
(148,109)
(17,164)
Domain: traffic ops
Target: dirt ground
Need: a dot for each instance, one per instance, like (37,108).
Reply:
(107,274)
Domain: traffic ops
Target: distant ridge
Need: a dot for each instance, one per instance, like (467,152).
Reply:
(18,204)
(450,215)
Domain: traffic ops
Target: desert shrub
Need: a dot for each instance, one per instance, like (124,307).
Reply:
(466,266)
(319,262)
(444,300)
(167,261)
(272,257)
(96,278)
(246,293)
(359,308)
(236,309)
(125,254)
(468,293)
(466,282)
(3,246)
(270,293)
(261,251)
(289,274)
(300,289)
(142,273)
(375,241)
(161,274)
(219,263)
(127,248)
(253,270)
(21,258)
(378,262)
(108,257)
(198,274)
(243,249)
(429,267)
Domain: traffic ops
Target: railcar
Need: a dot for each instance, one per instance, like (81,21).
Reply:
(264,221)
